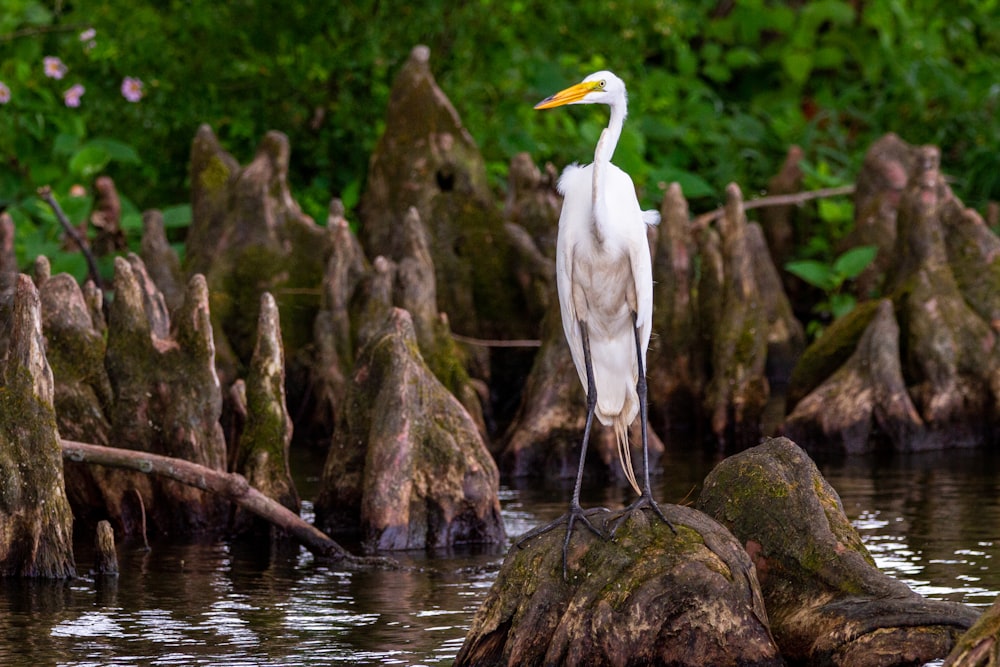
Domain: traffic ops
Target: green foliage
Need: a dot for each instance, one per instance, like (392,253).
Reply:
(718,91)
(830,279)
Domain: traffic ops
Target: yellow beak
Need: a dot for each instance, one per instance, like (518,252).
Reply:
(568,96)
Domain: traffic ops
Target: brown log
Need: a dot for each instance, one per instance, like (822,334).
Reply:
(232,486)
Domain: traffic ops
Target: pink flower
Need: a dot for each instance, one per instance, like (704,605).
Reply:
(73,94)
(54,68)
(132,89)
(4,93)
(87,37)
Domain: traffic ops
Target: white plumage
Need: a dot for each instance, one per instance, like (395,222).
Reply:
(603,268)
(605,280)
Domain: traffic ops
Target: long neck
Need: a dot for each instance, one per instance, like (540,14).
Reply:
(602,158)
(609,139)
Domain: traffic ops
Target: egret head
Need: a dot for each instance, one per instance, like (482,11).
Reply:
(599,88)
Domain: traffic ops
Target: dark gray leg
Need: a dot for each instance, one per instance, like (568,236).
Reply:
(576,513)
(646,499)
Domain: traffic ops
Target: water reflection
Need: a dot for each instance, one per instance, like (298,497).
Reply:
(932,520)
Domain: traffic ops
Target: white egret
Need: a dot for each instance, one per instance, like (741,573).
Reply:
(605,282)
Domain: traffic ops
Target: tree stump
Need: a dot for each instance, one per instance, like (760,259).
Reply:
(827,602)
(646,597)
(334,342)
(980,646)
(248,236)
(677,358)
(944,284)
(36,539)
(168,400)
(735,321)
(407,466)
(106,558)
(160,259)
(426,159)
(262,446)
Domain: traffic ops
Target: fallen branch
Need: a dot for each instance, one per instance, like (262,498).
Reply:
(485,342)
(230,485)
(706,219)
(45,192)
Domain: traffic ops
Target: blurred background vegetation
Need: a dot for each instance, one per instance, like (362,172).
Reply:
(718,91)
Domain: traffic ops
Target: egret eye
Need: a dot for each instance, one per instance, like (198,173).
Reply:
(602,83)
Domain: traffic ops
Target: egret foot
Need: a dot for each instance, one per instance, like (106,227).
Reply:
(575,513)
(645,500)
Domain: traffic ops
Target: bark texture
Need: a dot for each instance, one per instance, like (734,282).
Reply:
(167,400)
(427,160)
(937,381)
(646,597)
(980,646)
(248,236)
(735,320)
(827,602)
(262,448)
(36,523)
(407,466)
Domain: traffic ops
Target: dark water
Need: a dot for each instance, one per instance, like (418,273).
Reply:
(932,520)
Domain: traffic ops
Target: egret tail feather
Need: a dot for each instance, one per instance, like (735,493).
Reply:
(624,453)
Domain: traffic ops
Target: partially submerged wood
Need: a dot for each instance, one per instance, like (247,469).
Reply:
(943,279)
(827,601)
(167,400)
(647,597)
(980,646)
(735,321)
(262,446)
(75,349)
(105,555)
(415,290)
(334,343)
(676,365)
(864,405)
(545,436)
(232,486)
(407,466)
(36,523)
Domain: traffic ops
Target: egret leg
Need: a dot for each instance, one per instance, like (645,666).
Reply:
(576,513)
(646,499)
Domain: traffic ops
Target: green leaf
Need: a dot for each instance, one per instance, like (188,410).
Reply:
(89,161)
(118,151)
(815,273)
(692,184)
(854,261)
(797,66)
(177,216)
(841,304)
